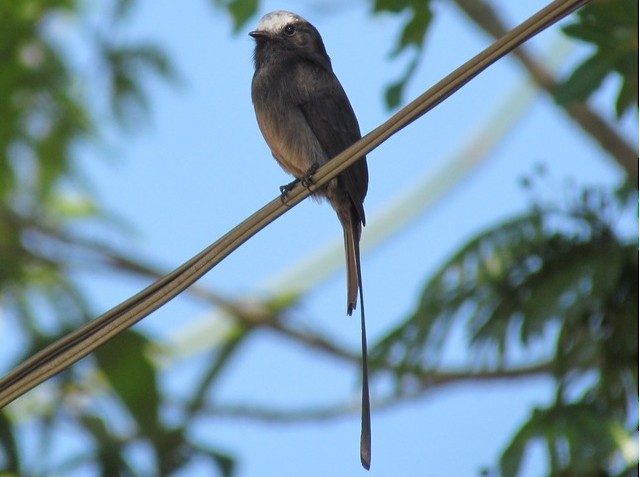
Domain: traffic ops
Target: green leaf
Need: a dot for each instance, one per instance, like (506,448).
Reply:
(242,11)
(628,95)
(587,33)
(395,91)
(8,446)
(131,374)
(127,65)
(109,449)
(394,6)
(585,79)
(226,463)
(511,458)
(610,14)
(415,29)
(412,36)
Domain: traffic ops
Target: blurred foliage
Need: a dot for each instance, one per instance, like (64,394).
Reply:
(412,37)
(241,11)
(555,270)
(47,115)
(580,439)
(612,28)
(561,274)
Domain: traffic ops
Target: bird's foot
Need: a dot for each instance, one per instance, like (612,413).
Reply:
(307,179)
(285,189)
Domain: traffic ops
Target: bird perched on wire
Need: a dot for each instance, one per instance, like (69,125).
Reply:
(306,120)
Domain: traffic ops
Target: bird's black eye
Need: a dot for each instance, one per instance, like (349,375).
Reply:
(289,30)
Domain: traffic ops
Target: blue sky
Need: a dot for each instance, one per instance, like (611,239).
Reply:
(200,166)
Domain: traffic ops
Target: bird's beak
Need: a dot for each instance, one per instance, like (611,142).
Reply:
(259,35)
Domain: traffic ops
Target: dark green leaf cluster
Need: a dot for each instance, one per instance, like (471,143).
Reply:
(127,66)
(580,439)
(612,28)
(46,117)
(43,119)
(561,275)
(241,11)
(412,37)
(137,407)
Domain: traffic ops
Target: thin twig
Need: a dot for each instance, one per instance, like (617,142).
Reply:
(431,382)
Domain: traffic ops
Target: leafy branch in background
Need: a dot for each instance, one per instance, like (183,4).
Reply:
(612,29)
(611,26)
(594,125)
(561,274)
(46,116)
(412,38)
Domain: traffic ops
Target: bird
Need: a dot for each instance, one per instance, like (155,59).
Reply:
(306,120)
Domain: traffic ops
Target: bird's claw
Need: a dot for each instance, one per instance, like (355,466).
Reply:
(307,179)
(285,189)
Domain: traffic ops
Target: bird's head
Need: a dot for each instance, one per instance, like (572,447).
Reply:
(286,34)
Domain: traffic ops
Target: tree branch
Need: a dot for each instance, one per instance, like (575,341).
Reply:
(487,18)
(430,382)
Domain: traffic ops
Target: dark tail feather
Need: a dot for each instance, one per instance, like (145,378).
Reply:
(365,434)
(354,284)
(352,252)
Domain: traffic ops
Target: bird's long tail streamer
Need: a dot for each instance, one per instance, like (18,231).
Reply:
(365,433)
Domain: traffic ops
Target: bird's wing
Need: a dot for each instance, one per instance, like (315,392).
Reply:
(329,114)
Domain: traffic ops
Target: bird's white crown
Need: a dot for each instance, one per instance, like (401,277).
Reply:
(274,22)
